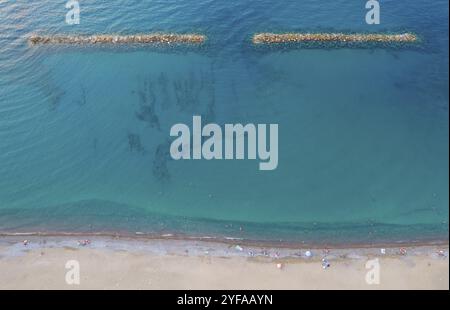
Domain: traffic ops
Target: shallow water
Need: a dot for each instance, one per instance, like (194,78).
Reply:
(84,131)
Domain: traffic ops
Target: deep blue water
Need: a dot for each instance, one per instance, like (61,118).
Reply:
(363,132)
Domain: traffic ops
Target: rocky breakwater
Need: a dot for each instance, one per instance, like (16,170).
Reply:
(156,38)
(272,38)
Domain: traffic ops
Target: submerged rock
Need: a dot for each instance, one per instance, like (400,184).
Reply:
(134,143)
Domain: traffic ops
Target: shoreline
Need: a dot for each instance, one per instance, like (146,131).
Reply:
(222,247)
(139,236)
(130,263)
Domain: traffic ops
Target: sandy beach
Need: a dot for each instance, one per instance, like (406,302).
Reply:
(108,263)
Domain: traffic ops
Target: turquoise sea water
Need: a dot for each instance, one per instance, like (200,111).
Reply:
(363,133)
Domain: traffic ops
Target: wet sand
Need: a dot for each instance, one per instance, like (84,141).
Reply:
(115,263)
